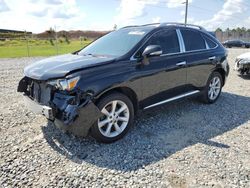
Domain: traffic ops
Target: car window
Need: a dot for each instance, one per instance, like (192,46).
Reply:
(237,42)
(210,43)
(193,40)
(168,41)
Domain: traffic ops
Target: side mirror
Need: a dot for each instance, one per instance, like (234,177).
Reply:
(152,50)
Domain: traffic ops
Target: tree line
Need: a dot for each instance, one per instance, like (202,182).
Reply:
(234,33)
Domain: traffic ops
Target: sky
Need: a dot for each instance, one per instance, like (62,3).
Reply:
(39,15)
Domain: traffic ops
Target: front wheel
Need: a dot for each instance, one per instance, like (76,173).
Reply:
(118,115)
(213,88)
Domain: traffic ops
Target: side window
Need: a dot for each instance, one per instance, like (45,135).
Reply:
(210,42)
(168,41)
(193,40)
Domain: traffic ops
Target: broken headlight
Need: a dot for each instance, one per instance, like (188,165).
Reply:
(65,84)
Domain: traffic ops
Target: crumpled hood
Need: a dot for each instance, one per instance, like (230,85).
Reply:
(59,66)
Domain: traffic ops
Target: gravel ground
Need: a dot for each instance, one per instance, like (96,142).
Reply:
(186,144)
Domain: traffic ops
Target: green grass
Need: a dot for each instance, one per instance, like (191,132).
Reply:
(18,48)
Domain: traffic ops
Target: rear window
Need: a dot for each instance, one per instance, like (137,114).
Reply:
(193,40)
(210,43)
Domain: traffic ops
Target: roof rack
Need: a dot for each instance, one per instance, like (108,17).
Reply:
(169,24)
(183,24)
(142,25)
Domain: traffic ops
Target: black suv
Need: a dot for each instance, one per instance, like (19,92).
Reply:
(100,88)
(236,43)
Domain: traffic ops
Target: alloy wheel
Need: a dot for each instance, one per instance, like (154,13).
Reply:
(115,118)
(214,88)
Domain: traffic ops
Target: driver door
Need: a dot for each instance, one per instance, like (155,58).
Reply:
(165,76)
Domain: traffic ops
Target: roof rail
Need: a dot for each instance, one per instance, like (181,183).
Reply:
(183,24)
(169,24)
(142,25)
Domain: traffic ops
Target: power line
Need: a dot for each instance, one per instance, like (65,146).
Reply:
(243,2)
(212,11)
(197,8)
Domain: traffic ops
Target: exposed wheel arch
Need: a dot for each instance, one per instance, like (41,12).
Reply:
(222,73)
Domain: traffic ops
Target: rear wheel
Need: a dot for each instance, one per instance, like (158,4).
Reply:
(118,115)
(213,88)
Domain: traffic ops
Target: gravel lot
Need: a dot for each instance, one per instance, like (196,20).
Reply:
(187,144)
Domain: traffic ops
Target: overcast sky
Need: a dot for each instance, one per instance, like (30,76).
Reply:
(40,15)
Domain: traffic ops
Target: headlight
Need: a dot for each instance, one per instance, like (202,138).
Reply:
(65,84)
(244,61)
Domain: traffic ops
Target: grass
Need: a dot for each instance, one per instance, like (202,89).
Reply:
(18,48)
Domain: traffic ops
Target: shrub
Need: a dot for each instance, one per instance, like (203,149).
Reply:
(51,42)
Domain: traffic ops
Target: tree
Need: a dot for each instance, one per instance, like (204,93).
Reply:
(218,30)
(51,35)
(51,32)
(243,29)
(65,36)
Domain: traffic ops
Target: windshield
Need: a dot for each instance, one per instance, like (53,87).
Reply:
(116,43)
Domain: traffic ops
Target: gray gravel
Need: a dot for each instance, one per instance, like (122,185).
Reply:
(187,144)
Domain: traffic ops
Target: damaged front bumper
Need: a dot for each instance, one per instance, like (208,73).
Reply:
(74,118)
(242,66)
(74,113)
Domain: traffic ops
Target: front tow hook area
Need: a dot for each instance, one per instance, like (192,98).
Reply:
(38,108)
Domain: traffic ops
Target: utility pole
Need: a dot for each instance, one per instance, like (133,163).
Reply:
(186,12)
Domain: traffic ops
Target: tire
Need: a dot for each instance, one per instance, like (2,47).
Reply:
(113,126)
(207,94)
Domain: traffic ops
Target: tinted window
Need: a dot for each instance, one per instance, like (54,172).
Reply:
(168,41)
(210,43)
(236,42)
(193,40)
(116,43)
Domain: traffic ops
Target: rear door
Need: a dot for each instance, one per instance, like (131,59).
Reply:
(201,59)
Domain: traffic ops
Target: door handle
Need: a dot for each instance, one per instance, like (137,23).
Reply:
(181,63)
(212,58)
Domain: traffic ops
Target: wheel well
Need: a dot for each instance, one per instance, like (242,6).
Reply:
(222,73)
(124,90)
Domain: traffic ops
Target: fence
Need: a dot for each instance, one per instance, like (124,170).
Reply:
(226,35)
(29,46)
